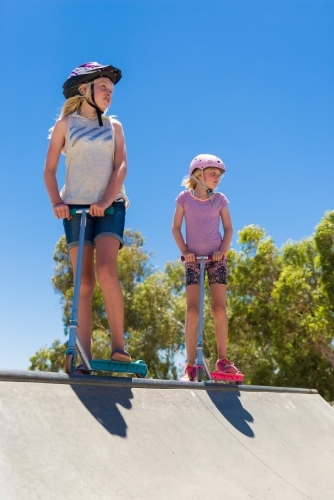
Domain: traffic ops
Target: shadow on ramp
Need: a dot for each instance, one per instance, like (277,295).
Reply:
(229,405)
(102,403)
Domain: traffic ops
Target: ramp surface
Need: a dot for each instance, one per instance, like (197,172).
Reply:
(63,437)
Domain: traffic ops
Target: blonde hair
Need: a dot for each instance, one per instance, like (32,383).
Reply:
(73,104)
(190,183)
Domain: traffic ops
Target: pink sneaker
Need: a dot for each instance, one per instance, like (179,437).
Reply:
(226,366)
(189,373)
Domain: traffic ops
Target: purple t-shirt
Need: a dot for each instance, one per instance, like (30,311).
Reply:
(202,222)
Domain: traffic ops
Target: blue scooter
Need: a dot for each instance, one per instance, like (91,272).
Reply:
(137,368)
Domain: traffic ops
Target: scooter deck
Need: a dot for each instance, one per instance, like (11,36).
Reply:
(227,377)
(138,368)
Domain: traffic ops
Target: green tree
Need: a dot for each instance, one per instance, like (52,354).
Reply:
(280,310)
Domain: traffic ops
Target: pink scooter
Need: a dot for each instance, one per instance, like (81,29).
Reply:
(201,361)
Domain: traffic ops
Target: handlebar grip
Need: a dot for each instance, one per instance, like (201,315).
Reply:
(76,211)
(109,211)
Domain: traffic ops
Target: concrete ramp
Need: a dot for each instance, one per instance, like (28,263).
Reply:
(102,438)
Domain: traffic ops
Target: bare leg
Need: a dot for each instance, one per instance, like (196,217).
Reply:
(191,326)
(87,285)
(218,307)
(106,272)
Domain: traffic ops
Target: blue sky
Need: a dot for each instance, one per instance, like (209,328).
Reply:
(248,80)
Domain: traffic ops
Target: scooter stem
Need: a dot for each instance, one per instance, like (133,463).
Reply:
(200,321)
(76,293)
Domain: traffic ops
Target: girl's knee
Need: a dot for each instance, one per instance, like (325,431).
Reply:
(219,311)
(192,313)
(106,275)
(87,285)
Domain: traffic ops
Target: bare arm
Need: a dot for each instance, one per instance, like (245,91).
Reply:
(228,230)
(177,233)
(50,169)
(118,175)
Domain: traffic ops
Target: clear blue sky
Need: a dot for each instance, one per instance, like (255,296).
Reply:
(248,80)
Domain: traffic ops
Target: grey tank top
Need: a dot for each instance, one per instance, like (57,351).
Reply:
(89,151)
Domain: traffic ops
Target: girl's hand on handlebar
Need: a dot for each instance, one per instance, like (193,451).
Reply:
(189,257)
(218,255)
(61,211)
(97,209)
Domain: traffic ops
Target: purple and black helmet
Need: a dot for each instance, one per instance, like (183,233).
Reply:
(87,73)
(204,161)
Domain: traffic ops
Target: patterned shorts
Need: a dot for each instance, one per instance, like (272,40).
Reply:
(216,270)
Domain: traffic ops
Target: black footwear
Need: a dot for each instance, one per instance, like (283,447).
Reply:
(81,370)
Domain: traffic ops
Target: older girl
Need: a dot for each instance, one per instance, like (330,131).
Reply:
(96,167)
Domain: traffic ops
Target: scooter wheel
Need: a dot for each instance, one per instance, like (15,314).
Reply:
(199,374)
(69,364)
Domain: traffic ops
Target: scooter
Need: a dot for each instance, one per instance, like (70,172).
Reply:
(137,368)
(202,365)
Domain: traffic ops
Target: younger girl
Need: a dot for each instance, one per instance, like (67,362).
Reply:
(203,210)
(96,166)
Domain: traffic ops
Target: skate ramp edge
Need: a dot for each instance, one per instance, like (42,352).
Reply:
(107,437)
(63,378)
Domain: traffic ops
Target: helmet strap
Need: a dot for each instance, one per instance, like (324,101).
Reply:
(208,190)
(93,104)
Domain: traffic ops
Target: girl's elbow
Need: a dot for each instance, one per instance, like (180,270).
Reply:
(48,172)
(228,231)
(124,167)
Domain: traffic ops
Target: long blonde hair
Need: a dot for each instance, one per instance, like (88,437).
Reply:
(75,103)
(190,183)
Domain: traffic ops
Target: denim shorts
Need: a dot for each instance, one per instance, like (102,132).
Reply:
(96,227)
(216,269)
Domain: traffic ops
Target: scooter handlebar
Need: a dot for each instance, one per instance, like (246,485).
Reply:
(78,211)
(199,257)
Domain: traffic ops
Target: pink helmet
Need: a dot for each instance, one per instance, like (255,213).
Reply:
(205,161)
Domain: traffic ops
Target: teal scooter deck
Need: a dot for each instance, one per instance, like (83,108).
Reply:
(138,368)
